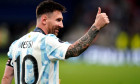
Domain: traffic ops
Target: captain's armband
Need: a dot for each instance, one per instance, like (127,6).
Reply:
(9,63)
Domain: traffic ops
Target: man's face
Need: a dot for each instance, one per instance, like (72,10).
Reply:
(54,22)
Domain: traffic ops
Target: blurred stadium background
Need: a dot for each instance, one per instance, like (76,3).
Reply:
(114,57)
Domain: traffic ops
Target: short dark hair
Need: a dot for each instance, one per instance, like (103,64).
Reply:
(48,7)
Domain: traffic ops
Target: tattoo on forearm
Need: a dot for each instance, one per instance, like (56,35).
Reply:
(82,44)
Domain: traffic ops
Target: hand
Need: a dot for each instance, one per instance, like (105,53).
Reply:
(101,19)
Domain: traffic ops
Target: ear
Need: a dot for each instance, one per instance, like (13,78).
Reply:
(43,19)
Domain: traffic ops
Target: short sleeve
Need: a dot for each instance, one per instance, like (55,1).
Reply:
(56,49)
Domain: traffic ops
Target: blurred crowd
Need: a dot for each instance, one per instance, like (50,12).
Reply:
(121,35)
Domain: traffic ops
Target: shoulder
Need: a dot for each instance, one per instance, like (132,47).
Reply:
(11,49)
(51,36)
(53,40)
(13,44)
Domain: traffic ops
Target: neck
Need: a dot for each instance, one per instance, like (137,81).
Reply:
(41,26)
(44,30)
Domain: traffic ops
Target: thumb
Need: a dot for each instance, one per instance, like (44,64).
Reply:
(99,10)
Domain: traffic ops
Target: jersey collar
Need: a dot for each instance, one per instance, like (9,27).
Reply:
(37,29)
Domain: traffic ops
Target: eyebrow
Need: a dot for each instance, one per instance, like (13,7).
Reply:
(60,18)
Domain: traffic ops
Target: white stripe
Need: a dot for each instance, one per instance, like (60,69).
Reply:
(51,73)
(37,55)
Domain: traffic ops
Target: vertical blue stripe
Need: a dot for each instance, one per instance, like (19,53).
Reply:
(45,62)
(56,52)
(61,54)
(55,72)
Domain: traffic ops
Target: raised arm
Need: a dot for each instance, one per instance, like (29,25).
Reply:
(84,42)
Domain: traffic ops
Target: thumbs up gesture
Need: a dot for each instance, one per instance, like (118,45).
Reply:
(101,19)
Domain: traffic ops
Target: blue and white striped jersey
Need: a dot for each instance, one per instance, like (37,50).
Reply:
(35,57)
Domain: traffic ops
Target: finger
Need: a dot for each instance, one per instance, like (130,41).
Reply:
(107,21)
(104,14)
(99,10)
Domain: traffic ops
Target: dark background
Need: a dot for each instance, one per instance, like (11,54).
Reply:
(17,16)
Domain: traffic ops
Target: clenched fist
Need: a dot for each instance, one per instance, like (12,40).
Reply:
(101,19)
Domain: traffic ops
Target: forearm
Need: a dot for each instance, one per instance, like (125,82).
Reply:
(8,75)
(6,80)
(83,43)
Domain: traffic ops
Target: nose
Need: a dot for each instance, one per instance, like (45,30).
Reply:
(61,25)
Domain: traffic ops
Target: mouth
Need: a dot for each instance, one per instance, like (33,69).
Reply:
(56,31)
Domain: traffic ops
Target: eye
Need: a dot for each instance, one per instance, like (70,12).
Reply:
(59,19)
